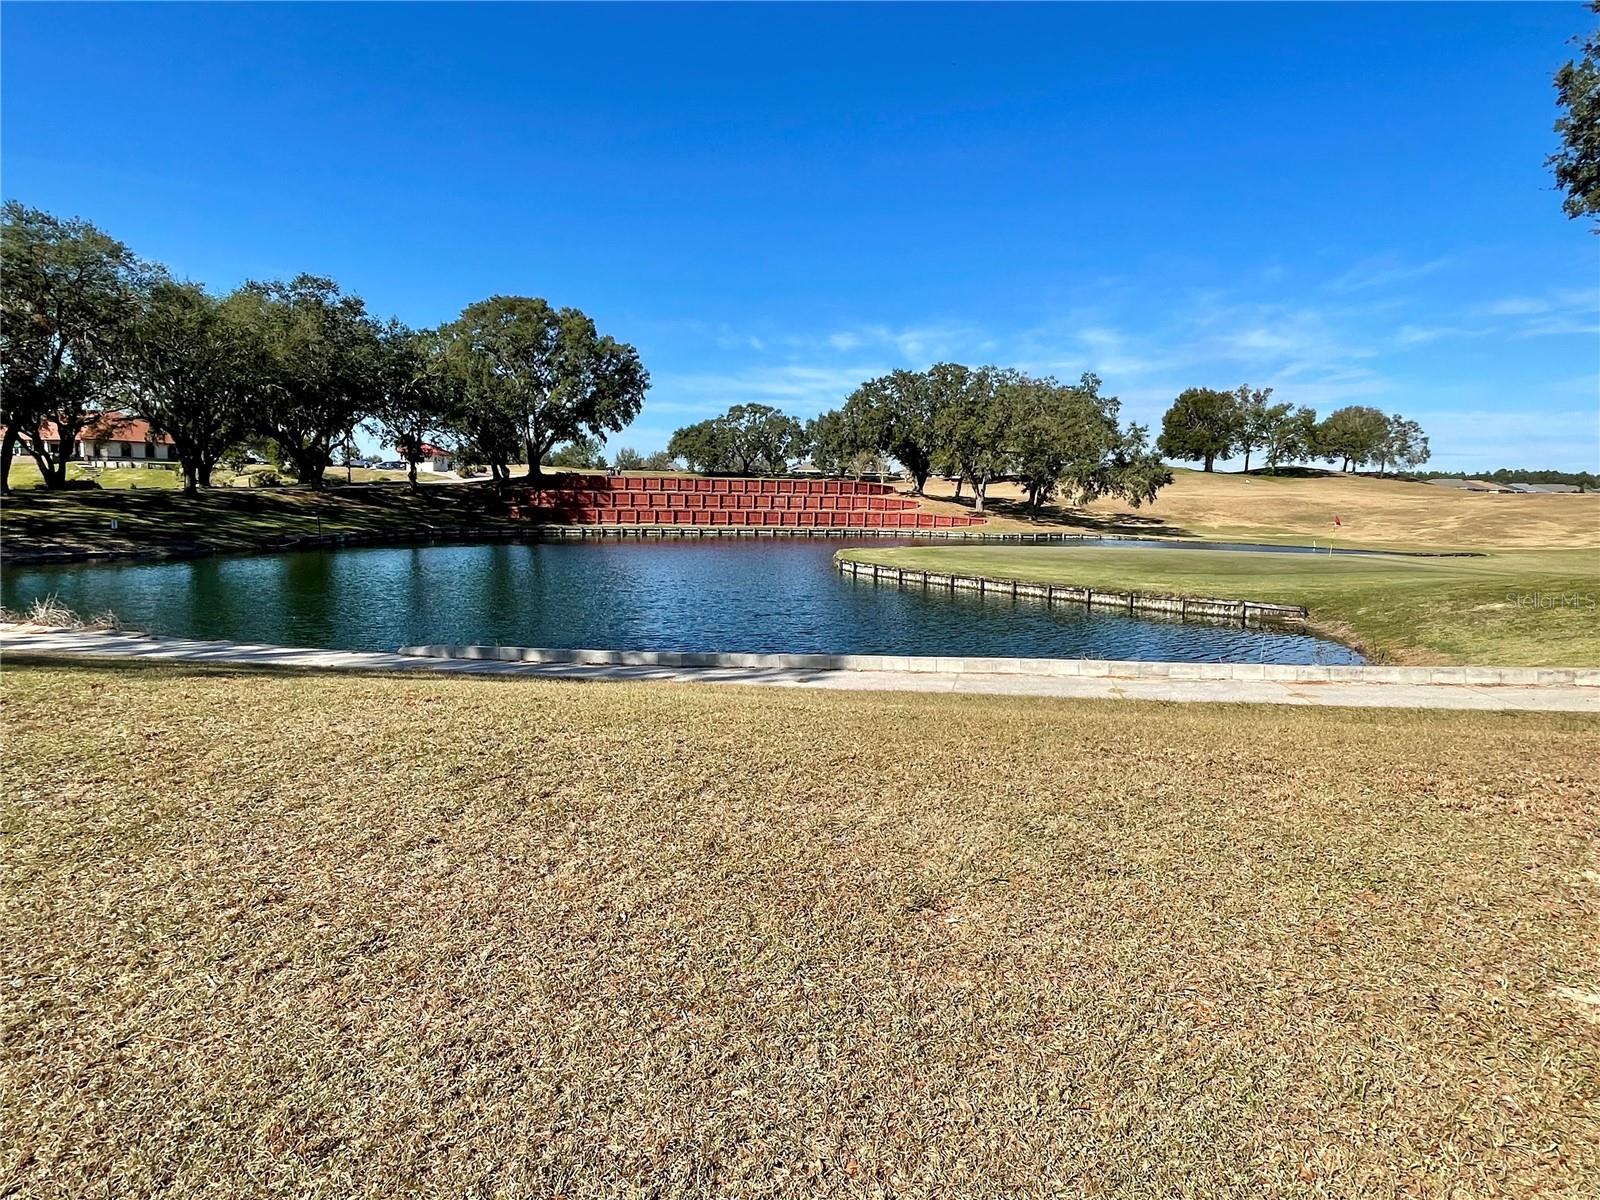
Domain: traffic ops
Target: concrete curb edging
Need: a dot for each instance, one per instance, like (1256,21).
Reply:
(1245,612)
(1061,667)
(1185,683)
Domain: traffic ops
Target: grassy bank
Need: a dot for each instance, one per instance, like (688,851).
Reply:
(1506,608)
(167,521)
(462,936)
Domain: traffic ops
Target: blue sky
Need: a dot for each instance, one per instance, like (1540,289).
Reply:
(1347,203)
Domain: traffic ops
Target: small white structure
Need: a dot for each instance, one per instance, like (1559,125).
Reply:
(436,461)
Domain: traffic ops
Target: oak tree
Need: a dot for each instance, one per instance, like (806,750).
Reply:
(1202,425)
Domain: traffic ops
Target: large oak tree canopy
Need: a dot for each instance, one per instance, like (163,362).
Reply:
(543,375)
(69,298)
(189,371)
(316,371)
(1202,425)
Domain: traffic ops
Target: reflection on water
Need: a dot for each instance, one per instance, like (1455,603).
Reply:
(751,595)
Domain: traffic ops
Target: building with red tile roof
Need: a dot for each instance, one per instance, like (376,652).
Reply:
(114,439)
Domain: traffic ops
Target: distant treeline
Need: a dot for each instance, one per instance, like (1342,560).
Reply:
(978,425)
(975,424)
(1587,480)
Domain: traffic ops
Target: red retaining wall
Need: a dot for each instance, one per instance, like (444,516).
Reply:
(789,503)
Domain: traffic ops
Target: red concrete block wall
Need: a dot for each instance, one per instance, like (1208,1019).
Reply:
(782,503)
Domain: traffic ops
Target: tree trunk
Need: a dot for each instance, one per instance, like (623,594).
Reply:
(64,457)
(1247,460)
(191,476)
(303,461)
(53,471)
(921,480)
(202,471)
(1210,461)
(960,479)
(978,490)
(411,470)
(8,449)
(52,467)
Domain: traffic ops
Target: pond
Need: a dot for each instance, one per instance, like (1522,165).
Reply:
(724,594)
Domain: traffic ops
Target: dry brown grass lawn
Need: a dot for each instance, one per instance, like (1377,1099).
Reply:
(1383,513)
(323,936)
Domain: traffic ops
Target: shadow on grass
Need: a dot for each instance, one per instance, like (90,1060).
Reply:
(184,668)
(121,521)
(272,663)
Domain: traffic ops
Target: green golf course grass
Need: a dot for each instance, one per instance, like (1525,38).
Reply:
(1501,608)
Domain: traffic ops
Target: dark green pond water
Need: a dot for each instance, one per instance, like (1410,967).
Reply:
(781,596)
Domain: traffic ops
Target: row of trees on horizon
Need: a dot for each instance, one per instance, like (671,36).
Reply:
(976,424)
(87,327)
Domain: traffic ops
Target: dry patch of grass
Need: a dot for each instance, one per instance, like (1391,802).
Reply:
(1377,513)
(47,612)
(315,935)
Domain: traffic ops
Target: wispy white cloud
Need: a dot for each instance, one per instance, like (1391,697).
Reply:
(1556,313)
(1560,324)
(720,334)
(1517,306)
(1561,311)
(800,389)
(1384,272)
(913,344)
(1113,354)
(1421,335)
